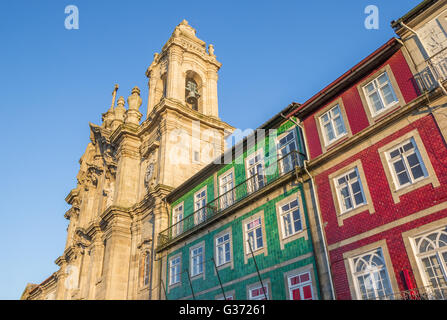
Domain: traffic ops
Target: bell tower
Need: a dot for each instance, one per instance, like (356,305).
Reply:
(185,72)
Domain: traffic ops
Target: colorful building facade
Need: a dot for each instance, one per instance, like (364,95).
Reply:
(241,226)
(378,160)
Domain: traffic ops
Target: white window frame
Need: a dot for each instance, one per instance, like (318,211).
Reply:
(260,296)
(254,185)
(378,89)
(226,196)
(438,253)
(349,183)
(404,157)
(175,263)
(300,285)
(200,211)
(197,267)
(332,123)
(177,217)
(290,158)
(223,244)
(289,213)
(371,272)
(254,245)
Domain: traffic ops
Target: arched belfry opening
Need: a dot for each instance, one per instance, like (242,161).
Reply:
(193,91)
(161,87)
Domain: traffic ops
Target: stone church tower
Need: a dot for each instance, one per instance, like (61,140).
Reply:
(129,167)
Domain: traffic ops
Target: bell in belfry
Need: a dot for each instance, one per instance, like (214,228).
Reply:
(193,94)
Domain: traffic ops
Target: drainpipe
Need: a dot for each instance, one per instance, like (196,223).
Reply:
(426,51)
(316,206)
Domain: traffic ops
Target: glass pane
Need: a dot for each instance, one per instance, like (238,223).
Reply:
(376,102)
(417,172)
(388,94)
(383,79)
(394,153)
(399,166)
(329,132)
(339,126)
(370,87)
(403,178)
(358,198)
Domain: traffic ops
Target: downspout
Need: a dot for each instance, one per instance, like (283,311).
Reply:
(316,205)
(426,51)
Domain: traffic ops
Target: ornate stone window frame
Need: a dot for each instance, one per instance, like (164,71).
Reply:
(267,284)
(408,238)
(368,206)
(231,262)
(396,191)
(259,251)
(349,255)
(325,146)
(366,106)
(308,268)
(179,283)
(201,275)
(300,234)
(144,254)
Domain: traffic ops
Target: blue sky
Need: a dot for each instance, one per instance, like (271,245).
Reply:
(55,81)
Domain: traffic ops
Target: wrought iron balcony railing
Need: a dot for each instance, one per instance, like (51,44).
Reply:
(424,293)
(250,186)
(435,72)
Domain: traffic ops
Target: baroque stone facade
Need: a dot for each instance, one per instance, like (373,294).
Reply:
(118,206)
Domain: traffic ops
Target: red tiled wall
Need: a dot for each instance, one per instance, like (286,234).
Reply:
(353,104)
(385,209)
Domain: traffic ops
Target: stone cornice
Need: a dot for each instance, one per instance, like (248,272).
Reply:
(173,105)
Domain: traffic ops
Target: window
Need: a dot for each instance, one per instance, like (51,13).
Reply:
(255,172)
(406,164)
(332,125)
(259,293)
(300,287)
(380,94)
(196,261)
(287,158)
(200,206)
(177,220)
(174,270)
(226,185)
(253,231)
(223,247)
(350,191)
(371,276)
(290,218)
(146,270)
(431,250)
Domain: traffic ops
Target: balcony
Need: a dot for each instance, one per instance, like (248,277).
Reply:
(435,71)
(228,201)
(424,293)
